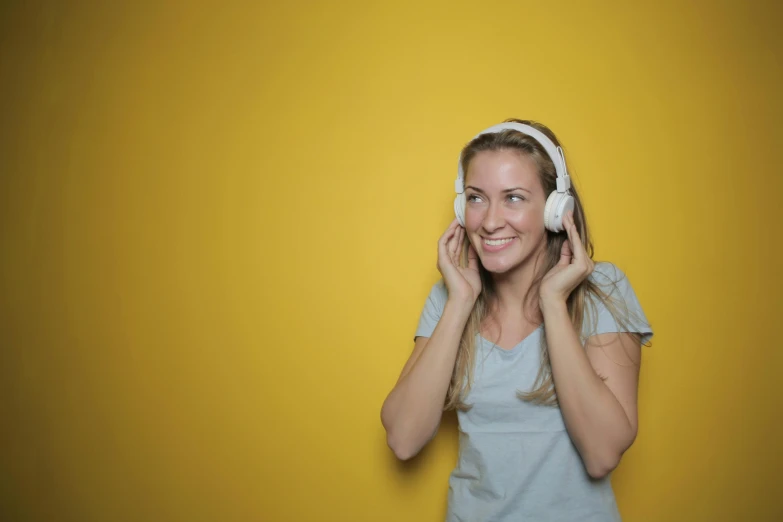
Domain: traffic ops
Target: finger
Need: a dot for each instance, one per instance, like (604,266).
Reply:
(472,257)
(454,245)
(443,242)
(447,235)
(577,248)
(460,236)
(460,244)
(565,254)
(450,230)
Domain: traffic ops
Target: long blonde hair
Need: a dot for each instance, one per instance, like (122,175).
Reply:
(581,302)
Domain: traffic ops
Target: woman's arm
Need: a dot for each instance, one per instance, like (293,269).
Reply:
(596,388)
(412,411)
(596,384)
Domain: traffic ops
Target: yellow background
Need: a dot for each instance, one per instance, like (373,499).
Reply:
(219,225)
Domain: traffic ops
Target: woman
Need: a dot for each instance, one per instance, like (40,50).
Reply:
(536,346)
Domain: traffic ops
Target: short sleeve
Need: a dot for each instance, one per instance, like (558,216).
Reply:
(433,309)
(615,283)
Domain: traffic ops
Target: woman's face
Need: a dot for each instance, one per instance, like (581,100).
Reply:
(504,210)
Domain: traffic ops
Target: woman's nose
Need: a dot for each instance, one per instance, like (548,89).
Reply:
(493,219)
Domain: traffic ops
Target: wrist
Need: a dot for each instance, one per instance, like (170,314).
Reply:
(462,305)
(552,305)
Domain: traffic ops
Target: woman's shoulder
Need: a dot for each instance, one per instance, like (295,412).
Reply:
(614,284)
(611,279)
(607,273)
(433,309)
(439,293)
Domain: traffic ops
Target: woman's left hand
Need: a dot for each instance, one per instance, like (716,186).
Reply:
(573,268)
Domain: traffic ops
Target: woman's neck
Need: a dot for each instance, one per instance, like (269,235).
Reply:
(512,291)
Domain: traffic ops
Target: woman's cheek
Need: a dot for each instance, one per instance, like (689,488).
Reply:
(472,219)
(524,219)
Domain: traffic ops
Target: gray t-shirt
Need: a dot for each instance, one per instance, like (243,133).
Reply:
(516,459)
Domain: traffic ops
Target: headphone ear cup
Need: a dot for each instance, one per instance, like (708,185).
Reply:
(459,208)
(558,204)
(566,205)
(551,203)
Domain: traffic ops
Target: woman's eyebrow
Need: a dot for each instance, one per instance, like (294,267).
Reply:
(506,190)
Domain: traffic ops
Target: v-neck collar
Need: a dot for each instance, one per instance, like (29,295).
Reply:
(516,346)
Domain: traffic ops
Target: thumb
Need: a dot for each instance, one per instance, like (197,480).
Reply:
(565,254)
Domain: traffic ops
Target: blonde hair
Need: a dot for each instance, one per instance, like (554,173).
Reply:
(582,301)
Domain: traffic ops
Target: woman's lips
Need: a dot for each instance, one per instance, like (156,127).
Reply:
(497,245)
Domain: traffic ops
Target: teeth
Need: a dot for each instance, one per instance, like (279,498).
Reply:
(497,242)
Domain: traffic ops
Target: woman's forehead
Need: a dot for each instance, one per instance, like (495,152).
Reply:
(499,170)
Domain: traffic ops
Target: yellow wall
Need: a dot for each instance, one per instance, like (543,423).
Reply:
(219,225)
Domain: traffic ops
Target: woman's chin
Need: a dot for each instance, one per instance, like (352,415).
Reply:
(495,265)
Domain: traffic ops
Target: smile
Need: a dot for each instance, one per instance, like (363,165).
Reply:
(490,246)
(498,242)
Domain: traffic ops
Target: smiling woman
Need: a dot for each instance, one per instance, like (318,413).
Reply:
(536,345)
(516,213)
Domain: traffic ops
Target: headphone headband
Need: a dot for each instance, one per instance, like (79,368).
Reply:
(555,153)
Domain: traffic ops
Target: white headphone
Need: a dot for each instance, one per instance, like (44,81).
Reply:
(558,203)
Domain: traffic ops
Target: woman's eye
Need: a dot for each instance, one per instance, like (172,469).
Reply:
(513,197)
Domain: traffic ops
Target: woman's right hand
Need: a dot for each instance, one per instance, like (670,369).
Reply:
(463,283)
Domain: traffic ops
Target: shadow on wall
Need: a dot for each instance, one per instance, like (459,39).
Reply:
(410,471)
(448,433)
